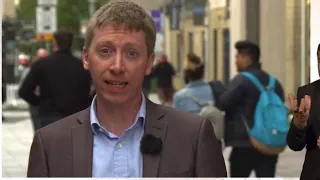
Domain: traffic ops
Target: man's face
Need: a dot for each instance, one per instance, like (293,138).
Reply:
(118,61)
(318,54)
(242,62)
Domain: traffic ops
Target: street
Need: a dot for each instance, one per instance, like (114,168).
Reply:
(17,136)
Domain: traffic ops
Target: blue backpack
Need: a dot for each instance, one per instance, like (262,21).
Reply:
(271,125)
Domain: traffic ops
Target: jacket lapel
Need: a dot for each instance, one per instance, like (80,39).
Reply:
(82,143)
(315,103)
(155,125)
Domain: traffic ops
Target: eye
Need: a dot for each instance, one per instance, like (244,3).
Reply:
(105,51)
(132,53)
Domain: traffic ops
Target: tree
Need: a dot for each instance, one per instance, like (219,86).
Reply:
(26,10)
(69,12)
(69,15)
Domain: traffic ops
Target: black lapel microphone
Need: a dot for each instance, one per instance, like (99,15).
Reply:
(150,145)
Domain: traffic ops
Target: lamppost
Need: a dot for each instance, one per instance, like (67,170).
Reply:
(91,6)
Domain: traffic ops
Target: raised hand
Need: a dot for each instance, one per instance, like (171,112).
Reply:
(301,113)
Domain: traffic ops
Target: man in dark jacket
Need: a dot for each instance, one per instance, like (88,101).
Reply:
(164,73)
(62,80)
(239,101)
(146,85)
(304,131)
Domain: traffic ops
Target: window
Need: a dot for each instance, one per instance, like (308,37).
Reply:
(203,35)
(190,43)
(215,54)
(179,58)
(226,55)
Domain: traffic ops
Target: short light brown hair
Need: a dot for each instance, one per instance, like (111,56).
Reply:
(125,14)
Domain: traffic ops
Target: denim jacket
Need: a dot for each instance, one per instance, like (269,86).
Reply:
(198,89)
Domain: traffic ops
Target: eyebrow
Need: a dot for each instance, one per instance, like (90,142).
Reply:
(104,43)
(101,43)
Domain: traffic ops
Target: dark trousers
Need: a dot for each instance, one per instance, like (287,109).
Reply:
(4,93)
(46,120)
(245,160)
(34,113)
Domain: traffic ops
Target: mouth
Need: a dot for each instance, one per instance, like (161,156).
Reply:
(116,84)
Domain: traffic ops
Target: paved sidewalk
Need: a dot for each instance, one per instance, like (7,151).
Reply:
(16,140)
(17,137)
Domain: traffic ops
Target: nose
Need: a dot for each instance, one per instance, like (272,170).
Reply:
(117,65)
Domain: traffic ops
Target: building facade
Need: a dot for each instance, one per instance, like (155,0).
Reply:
(279,27)
(9,9)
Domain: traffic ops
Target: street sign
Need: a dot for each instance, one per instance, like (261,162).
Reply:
(47,2)
(46,19)
(45,37)
(156,15)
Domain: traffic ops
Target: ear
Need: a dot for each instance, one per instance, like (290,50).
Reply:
(149,64)
(85,59)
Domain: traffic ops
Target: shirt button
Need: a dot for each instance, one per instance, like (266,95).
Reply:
(100,129)
(119,145)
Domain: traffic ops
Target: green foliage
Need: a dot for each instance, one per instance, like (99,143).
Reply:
(69,12)
(27,10)
(69,15)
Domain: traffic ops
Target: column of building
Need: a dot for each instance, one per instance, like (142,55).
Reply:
(314,38)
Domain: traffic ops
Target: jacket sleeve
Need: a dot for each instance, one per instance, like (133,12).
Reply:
(177,102)
(296,138)
(37,166)
(28,86)
(218,88)
(233,94)
(172,71)
(209,157)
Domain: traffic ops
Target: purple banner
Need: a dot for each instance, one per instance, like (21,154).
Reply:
(156,15)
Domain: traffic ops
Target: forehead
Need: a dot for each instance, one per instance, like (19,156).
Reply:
(118,35)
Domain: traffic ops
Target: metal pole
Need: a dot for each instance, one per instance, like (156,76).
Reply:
(48,46)
(91,7)
(303,42)
(208,40)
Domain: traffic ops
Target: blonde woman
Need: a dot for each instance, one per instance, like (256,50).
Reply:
(195,86)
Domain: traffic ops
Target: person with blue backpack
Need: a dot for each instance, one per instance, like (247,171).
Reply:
(256,123)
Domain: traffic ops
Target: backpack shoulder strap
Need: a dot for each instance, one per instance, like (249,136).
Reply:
(272,82)
(197,101)
(216,88)
(254,80)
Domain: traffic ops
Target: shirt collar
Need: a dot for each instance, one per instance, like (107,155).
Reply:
(140,117)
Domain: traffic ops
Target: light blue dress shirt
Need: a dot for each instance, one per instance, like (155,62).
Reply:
(115,156)
(198,89)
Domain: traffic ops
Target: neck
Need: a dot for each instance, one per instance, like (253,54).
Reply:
(116,118)
(196,81)
(63,50)
(255,65)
